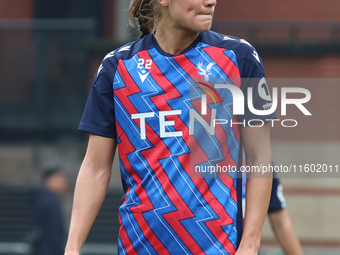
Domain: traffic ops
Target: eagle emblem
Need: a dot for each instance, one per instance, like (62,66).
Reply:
(205,71)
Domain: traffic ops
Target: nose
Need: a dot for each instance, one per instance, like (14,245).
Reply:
(210,3)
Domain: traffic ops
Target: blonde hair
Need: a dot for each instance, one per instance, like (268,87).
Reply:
(147,14)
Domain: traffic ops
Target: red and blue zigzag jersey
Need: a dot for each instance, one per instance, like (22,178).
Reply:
(162,111)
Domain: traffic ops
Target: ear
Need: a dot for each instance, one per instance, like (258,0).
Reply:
(163,2)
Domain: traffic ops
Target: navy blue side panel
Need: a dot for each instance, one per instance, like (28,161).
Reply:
(277,199)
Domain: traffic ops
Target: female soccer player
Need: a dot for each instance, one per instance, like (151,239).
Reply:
(166,101)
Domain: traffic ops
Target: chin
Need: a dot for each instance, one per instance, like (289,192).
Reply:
(204,28)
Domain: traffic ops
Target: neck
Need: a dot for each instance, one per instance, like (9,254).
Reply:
(173,39)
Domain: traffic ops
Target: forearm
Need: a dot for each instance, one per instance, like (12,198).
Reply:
(257,197)
(91,187)
(89,194)
(258,153)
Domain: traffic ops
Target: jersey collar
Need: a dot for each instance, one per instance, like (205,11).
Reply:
(191,46)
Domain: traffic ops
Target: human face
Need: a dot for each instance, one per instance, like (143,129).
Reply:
(194,15)
(58,182)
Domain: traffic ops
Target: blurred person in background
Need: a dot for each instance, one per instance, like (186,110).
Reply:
(280,221)
(49,233)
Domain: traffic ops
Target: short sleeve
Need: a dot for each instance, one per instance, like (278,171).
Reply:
(253,76)
(98,116)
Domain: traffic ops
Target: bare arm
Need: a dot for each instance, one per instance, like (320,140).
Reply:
(91,187)
(258,152)
(284,232)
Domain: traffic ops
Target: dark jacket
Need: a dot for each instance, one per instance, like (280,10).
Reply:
(49,231)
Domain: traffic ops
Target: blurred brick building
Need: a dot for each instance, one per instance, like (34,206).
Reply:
(318,22)
(295,38)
